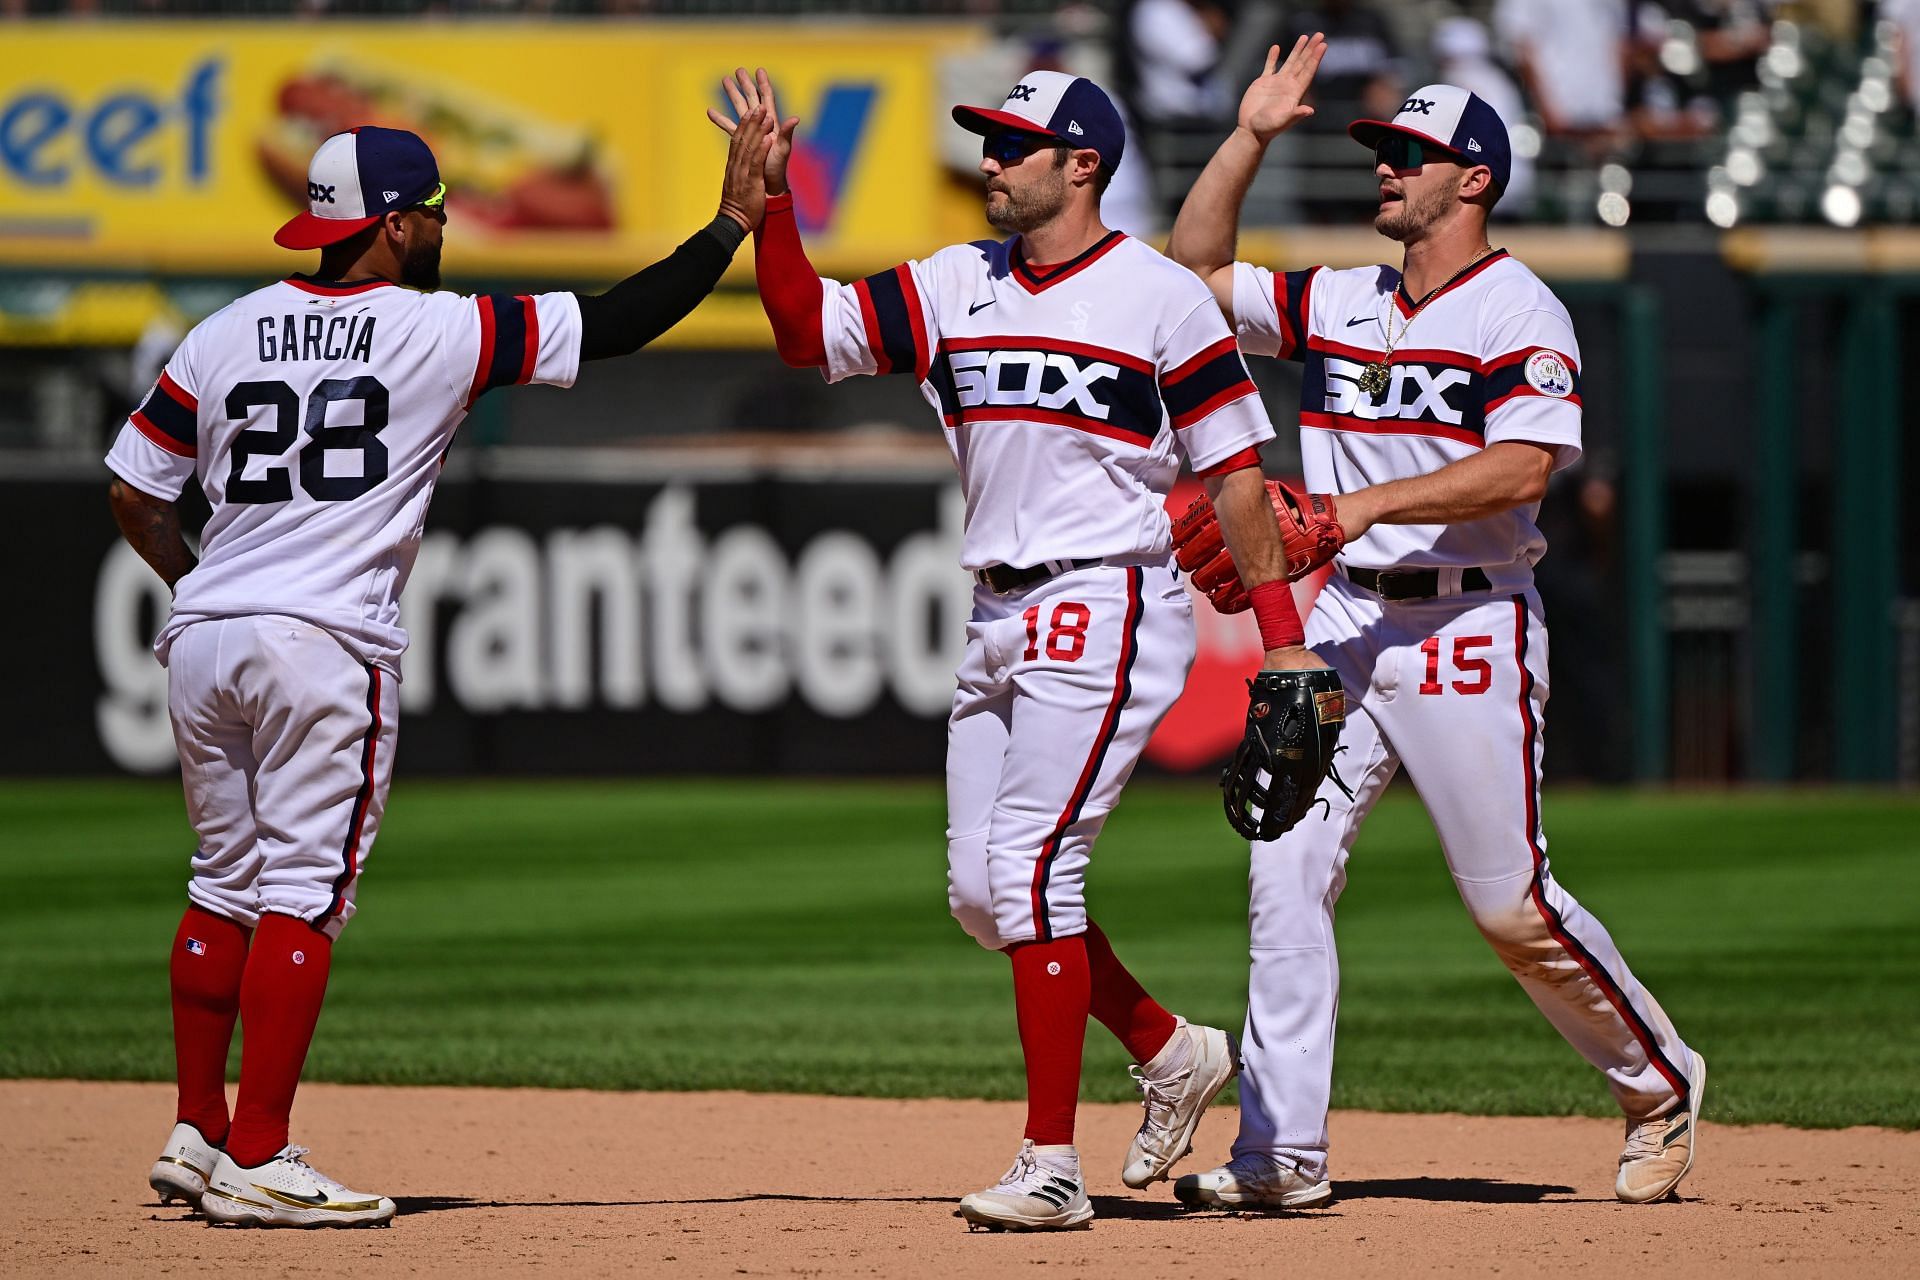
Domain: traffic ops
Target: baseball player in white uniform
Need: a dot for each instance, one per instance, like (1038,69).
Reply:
(315,414)
(1436,401)
(1070,367)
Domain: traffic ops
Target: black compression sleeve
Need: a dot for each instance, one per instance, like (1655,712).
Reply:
(648,303)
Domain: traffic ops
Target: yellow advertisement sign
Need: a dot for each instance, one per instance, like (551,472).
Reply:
(569,150)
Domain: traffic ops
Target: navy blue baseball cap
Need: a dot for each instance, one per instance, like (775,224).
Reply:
(1071,108)
(1449,118)
(355,179)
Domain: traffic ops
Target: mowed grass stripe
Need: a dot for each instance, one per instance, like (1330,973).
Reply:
(794,936)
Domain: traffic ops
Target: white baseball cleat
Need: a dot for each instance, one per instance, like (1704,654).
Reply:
(1186,1075)
(1043,1191)
(1660,1151)
(286,1191)
(1252,1182)
(184,1165)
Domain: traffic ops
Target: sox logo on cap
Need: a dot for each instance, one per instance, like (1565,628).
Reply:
(1449,118)
(1071,108)
(354,179)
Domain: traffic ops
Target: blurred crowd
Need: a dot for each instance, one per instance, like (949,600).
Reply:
(1583,84)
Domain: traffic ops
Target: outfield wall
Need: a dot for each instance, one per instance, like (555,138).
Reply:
(599,612)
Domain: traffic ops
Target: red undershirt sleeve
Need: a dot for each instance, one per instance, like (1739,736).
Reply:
(790,289)
(1238,462)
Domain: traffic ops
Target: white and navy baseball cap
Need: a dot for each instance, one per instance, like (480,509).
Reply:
(1449,118)
(355,179)
(1071,108)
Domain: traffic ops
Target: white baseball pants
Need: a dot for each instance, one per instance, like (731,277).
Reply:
(1454,689)
(1061,686)
(286,746)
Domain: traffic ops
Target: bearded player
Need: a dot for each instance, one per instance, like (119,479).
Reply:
(315,413)
(1070,366)
(1436,401)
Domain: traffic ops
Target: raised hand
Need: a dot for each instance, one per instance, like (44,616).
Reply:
(748,94)
(743,189)
(1271,105)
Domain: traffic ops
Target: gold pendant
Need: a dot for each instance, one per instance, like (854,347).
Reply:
(1374,379)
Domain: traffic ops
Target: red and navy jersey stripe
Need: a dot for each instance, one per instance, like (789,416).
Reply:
(1012,379)
(1109,727)
(168,417)
(509,342)
(1292,296)
(1506,378)
(896,329)
(1209,381)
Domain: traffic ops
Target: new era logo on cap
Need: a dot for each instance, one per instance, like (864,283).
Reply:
(1071,108)
(1449,117)
(346,171)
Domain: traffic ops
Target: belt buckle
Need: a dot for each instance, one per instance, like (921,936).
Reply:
(1386,583)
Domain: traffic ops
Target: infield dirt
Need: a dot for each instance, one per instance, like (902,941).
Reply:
(714,1184)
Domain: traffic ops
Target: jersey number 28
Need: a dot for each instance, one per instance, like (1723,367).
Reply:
(275,484)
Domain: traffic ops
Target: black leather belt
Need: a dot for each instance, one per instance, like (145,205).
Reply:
(1413,584)
(1002,578)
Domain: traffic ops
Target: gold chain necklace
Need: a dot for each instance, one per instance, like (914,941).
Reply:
(1375,376)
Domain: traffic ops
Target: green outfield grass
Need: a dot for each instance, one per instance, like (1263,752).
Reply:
(794,936)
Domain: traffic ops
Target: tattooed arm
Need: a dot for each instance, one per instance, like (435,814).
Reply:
(151,527)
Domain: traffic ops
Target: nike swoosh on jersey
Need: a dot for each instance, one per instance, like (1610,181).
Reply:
(981,306)
(1363,320)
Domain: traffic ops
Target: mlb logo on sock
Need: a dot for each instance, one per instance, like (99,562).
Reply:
(195,947)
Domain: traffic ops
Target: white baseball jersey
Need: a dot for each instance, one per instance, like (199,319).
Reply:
(316,416)
(1453,687)
(1492,357)
(1062,389)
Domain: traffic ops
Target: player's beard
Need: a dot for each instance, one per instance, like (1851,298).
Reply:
(420,269)
(1031,206)
(1412,217)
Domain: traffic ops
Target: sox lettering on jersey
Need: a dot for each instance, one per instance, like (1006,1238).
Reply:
(979,377)
(1107,393)
(1417,392)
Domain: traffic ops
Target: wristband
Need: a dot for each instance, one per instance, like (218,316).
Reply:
(1279,619)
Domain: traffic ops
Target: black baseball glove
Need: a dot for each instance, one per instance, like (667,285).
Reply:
(1293,731)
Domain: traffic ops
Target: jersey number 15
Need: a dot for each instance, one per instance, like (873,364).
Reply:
(272,440)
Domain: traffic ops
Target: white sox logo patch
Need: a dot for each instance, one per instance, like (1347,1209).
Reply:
(1548,374)
(1022,93)
(319,193)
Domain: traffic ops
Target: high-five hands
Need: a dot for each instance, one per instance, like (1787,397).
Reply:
(1271,105)
(753,96)
(743,188)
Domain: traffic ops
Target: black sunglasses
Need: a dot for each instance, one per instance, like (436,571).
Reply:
(1009,145)
(1399,152)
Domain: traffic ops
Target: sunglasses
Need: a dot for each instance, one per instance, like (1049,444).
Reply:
(435,202)
(1399,152)
(1009,145)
